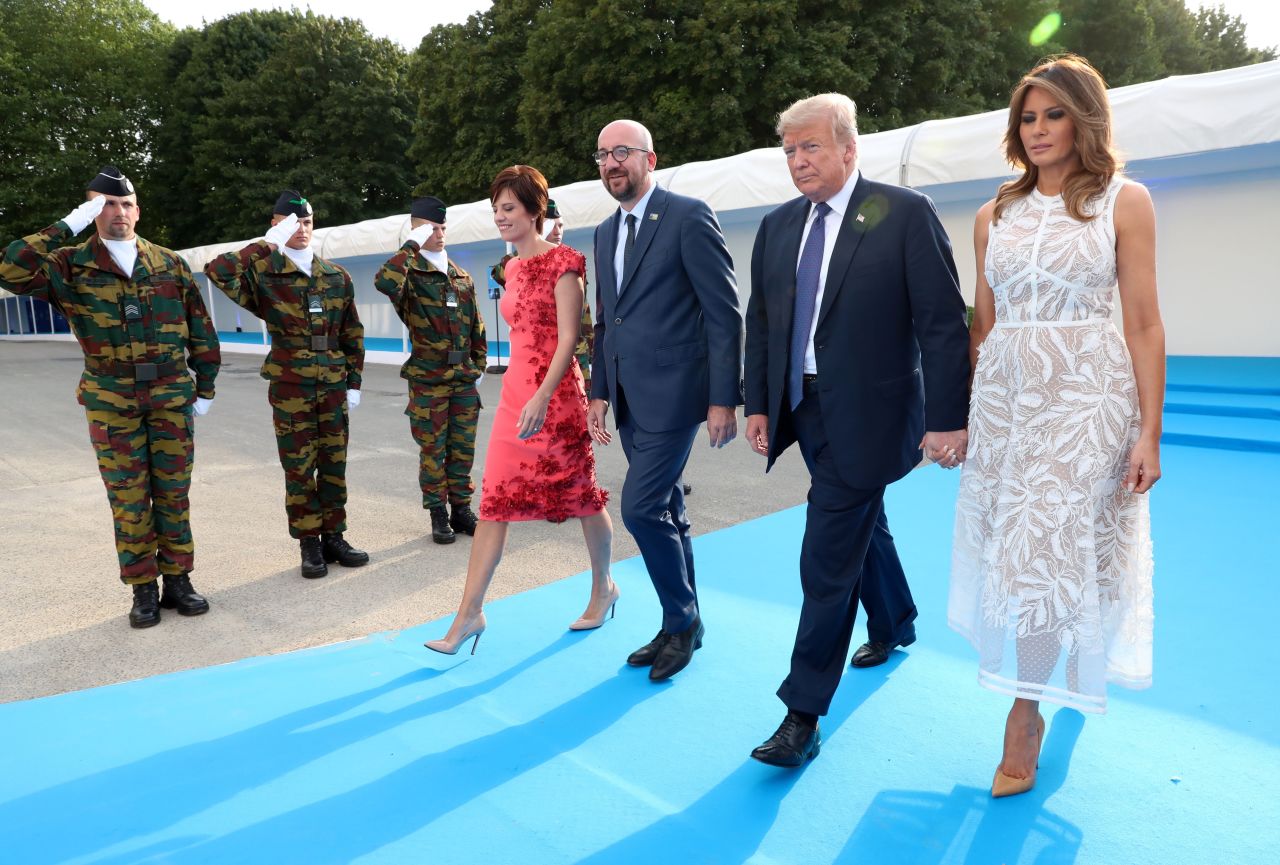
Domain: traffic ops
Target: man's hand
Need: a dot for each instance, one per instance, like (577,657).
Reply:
(78,220)
(202,406)
(420,234)
(722,425)
(758,433)
(353,398)
(278,235)
(596,411)
(947,449)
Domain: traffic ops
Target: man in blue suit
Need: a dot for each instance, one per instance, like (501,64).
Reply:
(668,356)
(857,349)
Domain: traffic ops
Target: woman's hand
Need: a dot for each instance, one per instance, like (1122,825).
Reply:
(533,415)
(1144,466)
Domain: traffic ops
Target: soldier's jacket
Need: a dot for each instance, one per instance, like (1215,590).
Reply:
(586,334)
(420,294)
(268,284)
(167,320)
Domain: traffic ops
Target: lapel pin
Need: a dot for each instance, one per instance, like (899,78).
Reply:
(653,217)
(861,218)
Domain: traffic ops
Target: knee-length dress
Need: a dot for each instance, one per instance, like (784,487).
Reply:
(1051,566)
(552,474)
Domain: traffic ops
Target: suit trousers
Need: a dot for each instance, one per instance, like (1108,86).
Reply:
(847,556)
(653,511)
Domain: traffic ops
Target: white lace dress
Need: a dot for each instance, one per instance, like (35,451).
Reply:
(1051,568)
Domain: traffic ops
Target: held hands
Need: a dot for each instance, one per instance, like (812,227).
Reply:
(722,425)
(78,220)
(278,235)
(758,433)
(202,406)
(596,412)
(947,449)
(353,398)
(532,416)
(1144,466)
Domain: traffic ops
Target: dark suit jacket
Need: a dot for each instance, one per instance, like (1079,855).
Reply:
(891,342)
(673,340)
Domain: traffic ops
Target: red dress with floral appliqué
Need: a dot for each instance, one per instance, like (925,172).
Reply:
(552,474)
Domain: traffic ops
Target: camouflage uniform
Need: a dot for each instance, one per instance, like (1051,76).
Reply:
(308,384)
(443,403)
(144,337)
(587,334)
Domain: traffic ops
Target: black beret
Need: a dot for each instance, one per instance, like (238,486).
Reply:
(110,181)
(429,207)
(291,201)
(553,212)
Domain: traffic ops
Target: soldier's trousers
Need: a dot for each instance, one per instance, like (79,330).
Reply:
(311,436)
(145,460)
(443,422)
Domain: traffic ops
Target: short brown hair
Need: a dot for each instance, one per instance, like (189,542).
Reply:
(527,185)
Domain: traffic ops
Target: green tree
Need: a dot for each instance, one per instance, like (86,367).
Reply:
(80,89)
(268,100)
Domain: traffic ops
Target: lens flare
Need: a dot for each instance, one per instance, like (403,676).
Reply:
(1044,31)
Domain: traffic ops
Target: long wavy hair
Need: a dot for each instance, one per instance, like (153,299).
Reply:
(1079,89)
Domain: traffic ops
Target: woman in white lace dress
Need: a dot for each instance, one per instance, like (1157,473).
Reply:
(1051,570)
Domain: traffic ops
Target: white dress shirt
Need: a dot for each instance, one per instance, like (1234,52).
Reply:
(639,210)
(838,203)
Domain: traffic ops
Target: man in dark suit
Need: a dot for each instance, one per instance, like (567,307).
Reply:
(668,356)
(856,345)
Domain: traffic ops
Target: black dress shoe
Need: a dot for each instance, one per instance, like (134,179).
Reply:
(873,653)
(677,652)
(181,596)
(335,549)
(794,744)
(313,565)
(687,488)
(462,519)
(441,531)
(146,605)
(643,656)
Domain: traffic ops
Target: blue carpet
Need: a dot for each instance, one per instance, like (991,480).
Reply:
(545,748)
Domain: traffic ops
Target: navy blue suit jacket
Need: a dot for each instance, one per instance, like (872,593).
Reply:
(891,342)
(672,337)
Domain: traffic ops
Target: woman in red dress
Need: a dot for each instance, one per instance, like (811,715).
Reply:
(539,464)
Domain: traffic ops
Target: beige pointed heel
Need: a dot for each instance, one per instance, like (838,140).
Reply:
(445,647)
(590,623)
(1002,785)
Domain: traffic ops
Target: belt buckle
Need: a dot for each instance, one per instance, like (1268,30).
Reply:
(144,372)
(319,343)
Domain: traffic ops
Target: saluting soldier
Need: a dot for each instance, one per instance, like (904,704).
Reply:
(150,358)
(436,300)
(553,231)
(313,366)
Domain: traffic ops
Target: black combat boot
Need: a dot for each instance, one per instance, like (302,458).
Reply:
(463,519)
(178,594)
(146,605)
(312,558)
(441,532)
(335,549)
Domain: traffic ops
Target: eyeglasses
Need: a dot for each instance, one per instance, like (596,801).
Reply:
(620,154)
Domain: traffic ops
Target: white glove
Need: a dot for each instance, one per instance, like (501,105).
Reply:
(420,234)
(280,233)
(202,406)
(78,220)
(353,398)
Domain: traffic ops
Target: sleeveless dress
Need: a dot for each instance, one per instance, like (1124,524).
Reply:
(1051,567)
(552,474)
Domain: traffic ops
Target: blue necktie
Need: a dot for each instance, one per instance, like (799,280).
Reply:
(808,274)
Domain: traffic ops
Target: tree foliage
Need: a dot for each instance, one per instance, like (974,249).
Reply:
(261,101)
(80,89)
